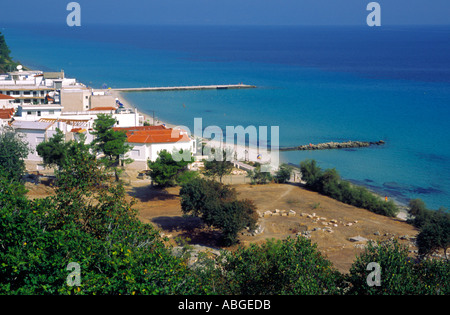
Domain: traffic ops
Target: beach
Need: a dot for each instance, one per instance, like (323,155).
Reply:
(246,153)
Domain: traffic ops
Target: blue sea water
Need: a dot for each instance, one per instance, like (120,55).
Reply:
(318,84)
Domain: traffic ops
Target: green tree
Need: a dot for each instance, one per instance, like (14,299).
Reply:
(113,144)
(54,150)
(293,266)
(259,177)
(218,166)
(329,183)
(13,152)
(283,175)
(398,273)
(168,168)
(434,234)
(90,222)
(217,206)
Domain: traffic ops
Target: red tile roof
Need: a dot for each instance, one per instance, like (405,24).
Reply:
(154,134)
(6,113)
(102,109)
(6,97)
(141,128)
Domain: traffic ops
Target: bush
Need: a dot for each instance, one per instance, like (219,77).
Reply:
(88,221)
(290,266)
(329,183)
(399,274)
(217,206)
(283,174)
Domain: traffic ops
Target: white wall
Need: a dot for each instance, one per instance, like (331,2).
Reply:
(34,137)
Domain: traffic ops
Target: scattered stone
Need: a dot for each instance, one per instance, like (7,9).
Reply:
(349,224)
(357,239)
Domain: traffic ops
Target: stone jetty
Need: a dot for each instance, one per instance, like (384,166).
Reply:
(333,145)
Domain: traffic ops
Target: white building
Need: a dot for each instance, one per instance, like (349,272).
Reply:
(36,112)
(148,141)
(35,87)
(6,101)
(35,132)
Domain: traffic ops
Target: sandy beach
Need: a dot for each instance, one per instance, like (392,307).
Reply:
(240,153)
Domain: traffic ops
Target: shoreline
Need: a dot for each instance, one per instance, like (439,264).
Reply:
(250,153)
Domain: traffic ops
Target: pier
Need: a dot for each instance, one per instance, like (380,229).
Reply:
(186,88)
(333,145)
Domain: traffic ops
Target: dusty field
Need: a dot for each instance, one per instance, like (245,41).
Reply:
(162,209)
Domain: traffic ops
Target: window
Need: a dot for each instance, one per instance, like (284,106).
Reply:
(28,112)
(51,112)
(39,113)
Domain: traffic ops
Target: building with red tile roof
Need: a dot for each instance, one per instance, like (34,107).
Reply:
(148,141)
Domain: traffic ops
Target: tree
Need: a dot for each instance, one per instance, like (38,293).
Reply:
(284,173)
(54,150)
(13,152)
(217,206)
(165,170)
(112,143)
(258,177)
(218,166)
(398,273)
(329,183)
(311,173)
(292,266)
(90,222)
(434,234)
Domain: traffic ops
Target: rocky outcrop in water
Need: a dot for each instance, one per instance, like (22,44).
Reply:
(333,145)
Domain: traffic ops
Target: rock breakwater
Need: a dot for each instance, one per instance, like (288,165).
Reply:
(333,145)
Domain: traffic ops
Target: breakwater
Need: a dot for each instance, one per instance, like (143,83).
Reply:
(186,88)
(333,145)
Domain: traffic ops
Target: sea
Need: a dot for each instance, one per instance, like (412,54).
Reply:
(316,83)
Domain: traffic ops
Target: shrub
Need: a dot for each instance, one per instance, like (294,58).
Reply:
(329,183)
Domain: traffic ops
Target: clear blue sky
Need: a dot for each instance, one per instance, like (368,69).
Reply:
(235,12)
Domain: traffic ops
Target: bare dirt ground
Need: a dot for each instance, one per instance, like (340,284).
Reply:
(341,222)
(162,209)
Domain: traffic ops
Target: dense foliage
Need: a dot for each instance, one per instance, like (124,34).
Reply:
(399,274)
(329,183)
(293,266)
(90,222)
(109,142)
(283,174)
(13,151)
(167,171)
(6,62)
(434,227)
(54,150)
(217,205)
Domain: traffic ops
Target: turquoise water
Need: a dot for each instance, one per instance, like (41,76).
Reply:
(316,84)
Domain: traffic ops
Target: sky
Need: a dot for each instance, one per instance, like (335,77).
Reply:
(228,12)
